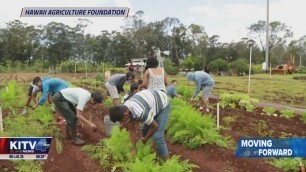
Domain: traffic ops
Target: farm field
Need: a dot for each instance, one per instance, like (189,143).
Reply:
(279,89)
(210,150)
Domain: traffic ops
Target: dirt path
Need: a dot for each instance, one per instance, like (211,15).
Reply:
(72,158)
(278,107)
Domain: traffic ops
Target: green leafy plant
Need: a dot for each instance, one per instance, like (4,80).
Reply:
(250,107)
(223,104)
(262,128)
(42,114)
(303,117)
(232,105)
(233,100)
(9,96)
(287,113)
(288,164)
(300,161)
(113,155)
(269,110)
(99,77)
(185,91)
(108,102)
(254,101)
(228,121)
(194,129)
(59,145)
(244,103)
(28,165)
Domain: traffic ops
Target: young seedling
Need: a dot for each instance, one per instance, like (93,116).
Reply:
(59,145)
(303,117)
(269,110)
(232,105)
(223,104)
(287,113)
(250,107)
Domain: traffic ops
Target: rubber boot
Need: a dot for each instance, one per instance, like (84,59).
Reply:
(67,133)
(75,140)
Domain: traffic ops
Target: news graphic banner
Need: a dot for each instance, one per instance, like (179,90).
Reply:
(24,147)
(268,148)
(74,12)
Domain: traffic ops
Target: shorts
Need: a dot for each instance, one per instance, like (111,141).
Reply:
(30,91)
(112,91)
(206,91)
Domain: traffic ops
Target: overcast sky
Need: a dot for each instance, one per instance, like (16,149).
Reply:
(227,18)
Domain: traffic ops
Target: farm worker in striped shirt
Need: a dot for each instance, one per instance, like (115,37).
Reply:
(114,85)
(71,103)
(203,82)
(152,108)
(49,86)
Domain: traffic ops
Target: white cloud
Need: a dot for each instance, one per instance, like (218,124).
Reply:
(292,13)
(230,21)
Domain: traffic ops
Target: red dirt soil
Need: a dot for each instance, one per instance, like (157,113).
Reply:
(72,158)
(210,158)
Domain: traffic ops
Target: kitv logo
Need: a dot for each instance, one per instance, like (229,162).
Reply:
(29,146)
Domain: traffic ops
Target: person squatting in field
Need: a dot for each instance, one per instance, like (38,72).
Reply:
(71,102)
(33,90)
(152,108)
(171,90)
(134,88)
(114,85)
(203,82)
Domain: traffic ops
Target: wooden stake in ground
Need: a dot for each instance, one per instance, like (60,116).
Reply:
(218,116)
(1,122)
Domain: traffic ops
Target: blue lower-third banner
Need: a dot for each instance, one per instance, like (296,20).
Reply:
(268,147)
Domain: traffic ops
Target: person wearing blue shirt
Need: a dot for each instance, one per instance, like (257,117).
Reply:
(171,90)
(203,82)
(33,90)
(48,86)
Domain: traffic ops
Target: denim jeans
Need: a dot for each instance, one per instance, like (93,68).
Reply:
(158,136)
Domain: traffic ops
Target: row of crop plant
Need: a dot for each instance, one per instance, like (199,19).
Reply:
(38,123)
(242,101)
(186,126)
(114,154)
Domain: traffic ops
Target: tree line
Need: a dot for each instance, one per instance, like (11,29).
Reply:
(55,43)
